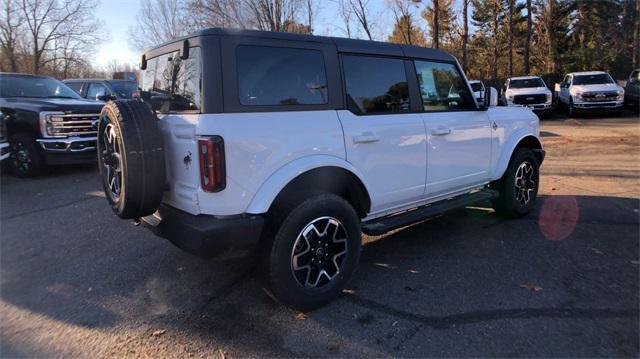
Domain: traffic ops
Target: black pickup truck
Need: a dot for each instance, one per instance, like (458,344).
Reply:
(47,123)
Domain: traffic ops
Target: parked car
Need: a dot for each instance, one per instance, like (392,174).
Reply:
(478,89)
(632,89)
(528,91)
(103,90)
(47,123)
(591,91)
(295,144)
(4,143)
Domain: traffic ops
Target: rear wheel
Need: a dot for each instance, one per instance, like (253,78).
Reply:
(313,252)
(26,158)
(518,187)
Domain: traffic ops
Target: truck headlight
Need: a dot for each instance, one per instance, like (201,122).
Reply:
(578,95)
(549,97)
(47,124)
(510,98)
(620,94)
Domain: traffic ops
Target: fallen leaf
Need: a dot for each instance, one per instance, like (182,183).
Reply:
(413,271)
(301,316)
(394,323)
(385,265)
(533,287)
(597,251)
(221,353)
(635,262)
(158,332)
(348,291)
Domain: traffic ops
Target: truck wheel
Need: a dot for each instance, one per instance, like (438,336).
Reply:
(518,187)
(313,253)
(131,158)
(26,158)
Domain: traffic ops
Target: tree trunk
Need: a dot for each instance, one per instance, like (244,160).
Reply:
(436,24)
(551,65)
(465,34)
(636,37)
(527,44)
(494,65)
(510,38)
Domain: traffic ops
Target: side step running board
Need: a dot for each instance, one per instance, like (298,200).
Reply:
(383,225)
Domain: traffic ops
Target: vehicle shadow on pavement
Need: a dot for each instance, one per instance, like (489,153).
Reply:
(571,267)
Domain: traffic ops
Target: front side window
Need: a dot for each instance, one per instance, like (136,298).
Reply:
(96,89)
(476,86)
(171,83)
(280,76)
(75,86)
(375,85)
(442,87)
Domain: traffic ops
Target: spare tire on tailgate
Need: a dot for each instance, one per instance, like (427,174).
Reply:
(131,158)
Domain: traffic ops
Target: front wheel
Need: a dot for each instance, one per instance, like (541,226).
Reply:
(313,252)
(26,158)
(518,187)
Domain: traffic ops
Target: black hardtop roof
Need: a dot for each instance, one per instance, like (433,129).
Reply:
(342,44)
(21,74)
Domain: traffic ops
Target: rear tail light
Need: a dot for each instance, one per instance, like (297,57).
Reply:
(212,166)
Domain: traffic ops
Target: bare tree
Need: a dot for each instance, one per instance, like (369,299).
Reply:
(360,9)
(636,37)
(510,39)
(218,13)
(346,12)
(10,21)
(436,24)
(158,21)
(48,22)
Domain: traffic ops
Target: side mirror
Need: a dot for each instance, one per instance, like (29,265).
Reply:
(101,96)
(490,98)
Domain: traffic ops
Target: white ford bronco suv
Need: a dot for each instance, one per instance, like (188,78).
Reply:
(294,145)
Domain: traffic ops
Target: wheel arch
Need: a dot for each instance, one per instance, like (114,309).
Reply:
(525,140)
(303,176)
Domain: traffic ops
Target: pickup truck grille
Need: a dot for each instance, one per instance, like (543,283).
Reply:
(529,99)
(600,96)
(74,124)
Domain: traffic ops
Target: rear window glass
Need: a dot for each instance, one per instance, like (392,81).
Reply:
(375,85)
(280,76)
(75,86)
(171,83)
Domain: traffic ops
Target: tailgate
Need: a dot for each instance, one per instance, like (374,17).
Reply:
(181,160)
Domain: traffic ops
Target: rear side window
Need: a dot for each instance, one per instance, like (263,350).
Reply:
(172,84)
(442,87)
(375,85)
(280,76)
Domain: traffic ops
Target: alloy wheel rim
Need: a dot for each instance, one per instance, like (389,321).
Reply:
(318,253)
(20,157)
(112,161)
(524,183)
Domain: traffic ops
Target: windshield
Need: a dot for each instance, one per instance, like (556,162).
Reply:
(123,89)
(476,86)
(34,86)
(526,83)
(596,79)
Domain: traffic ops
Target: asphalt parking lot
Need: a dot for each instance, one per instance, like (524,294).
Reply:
(562,282)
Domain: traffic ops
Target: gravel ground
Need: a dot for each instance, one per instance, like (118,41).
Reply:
(562,282)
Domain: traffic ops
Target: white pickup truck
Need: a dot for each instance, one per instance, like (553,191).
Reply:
(294,145)
(591,91)
(528,91)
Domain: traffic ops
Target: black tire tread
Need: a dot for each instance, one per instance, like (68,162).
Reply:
(142,158)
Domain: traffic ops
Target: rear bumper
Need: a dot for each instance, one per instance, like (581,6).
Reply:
(205,235)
